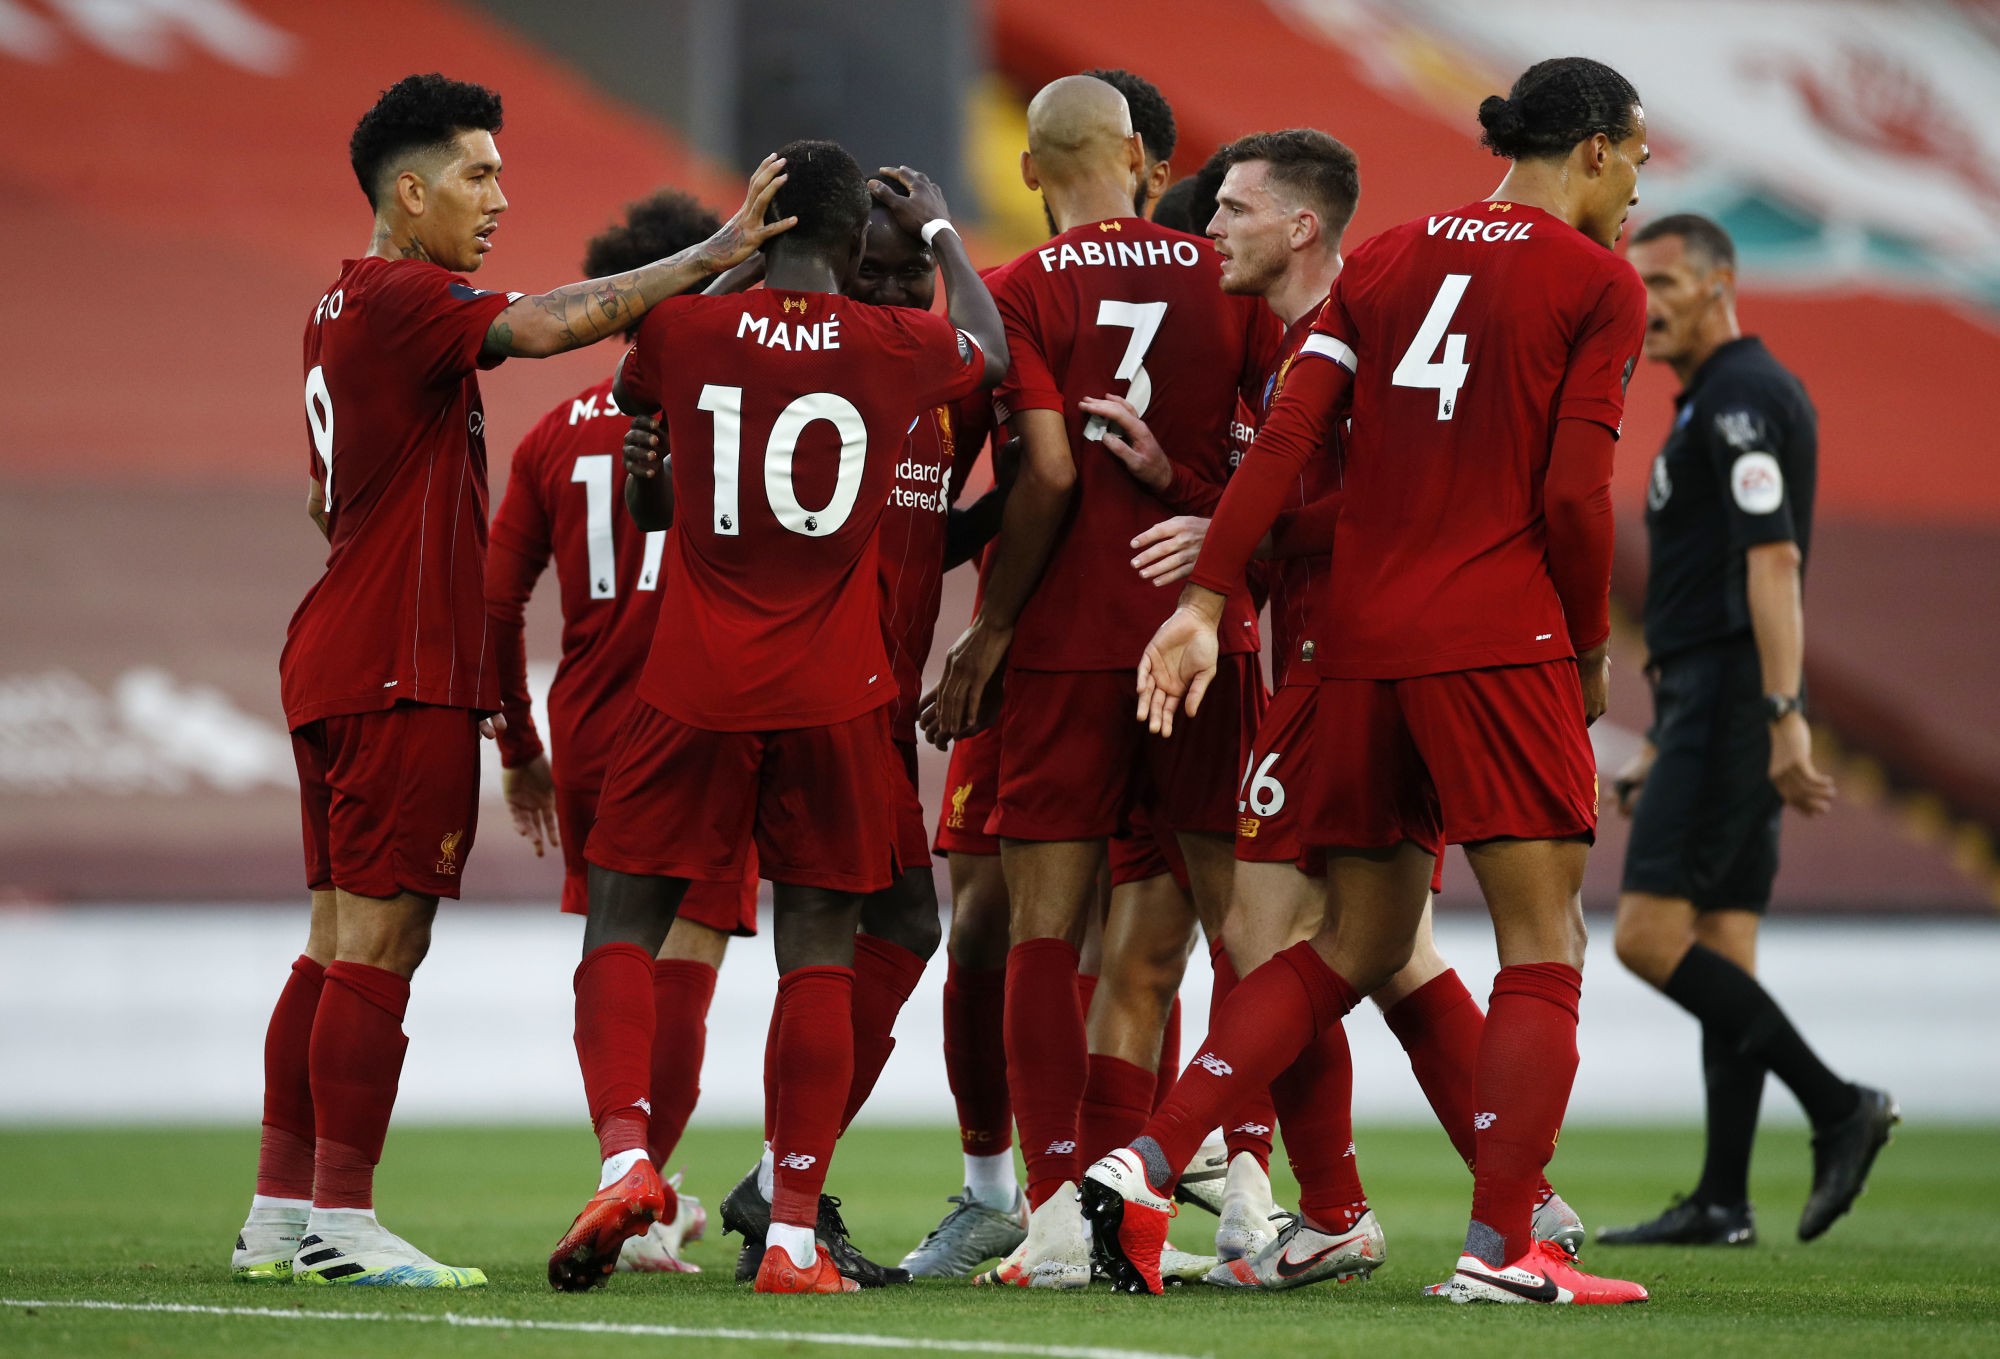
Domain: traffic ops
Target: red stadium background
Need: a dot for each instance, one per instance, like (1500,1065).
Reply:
(177,195)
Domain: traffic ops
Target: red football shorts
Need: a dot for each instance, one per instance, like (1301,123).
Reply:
(970,783)
(684,802)
(1268,815)
(389,800)
(1467,756)
(1074,760)
(1143,851)
(913,836)
(729,908)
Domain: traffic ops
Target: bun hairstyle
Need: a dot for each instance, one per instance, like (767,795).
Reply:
(1556,104)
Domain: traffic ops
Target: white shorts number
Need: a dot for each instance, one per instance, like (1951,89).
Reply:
(1262,793)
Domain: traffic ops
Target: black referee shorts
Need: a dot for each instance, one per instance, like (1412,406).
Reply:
(1706,826)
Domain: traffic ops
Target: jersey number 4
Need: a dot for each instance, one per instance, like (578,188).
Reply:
(726,405)
(1447,373)
(594,471)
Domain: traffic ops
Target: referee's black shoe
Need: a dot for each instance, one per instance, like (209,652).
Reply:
(1689,1222)
(1842,1154)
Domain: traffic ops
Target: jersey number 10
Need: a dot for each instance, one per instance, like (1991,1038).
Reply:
(726,405)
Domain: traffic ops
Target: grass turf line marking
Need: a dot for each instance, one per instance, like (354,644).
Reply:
(886,1342)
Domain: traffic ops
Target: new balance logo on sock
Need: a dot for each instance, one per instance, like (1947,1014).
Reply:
(797,1160)
(1254,1129)
(1484,1121)
(1061,1148)
(644,1106)
(1214,1065)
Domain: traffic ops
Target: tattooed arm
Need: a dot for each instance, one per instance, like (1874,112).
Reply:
(584,313)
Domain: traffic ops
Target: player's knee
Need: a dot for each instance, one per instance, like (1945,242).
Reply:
(906,915)
(1646,950)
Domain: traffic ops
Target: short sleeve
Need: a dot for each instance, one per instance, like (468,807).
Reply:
(945,363)
(1747,450)
(1605,352)
(640,381)
(1030,384)
(1333,331)
(435,322)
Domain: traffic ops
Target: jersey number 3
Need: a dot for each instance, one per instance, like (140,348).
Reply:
(1447,373)
(726,405)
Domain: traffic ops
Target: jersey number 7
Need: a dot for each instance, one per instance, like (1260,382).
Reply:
(1447,374)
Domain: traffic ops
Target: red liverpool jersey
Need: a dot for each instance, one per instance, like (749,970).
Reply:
(565,501)
(910,550)
(786,414)
(397,437)
(1124,308)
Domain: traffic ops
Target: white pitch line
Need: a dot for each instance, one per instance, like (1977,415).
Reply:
(850,1339)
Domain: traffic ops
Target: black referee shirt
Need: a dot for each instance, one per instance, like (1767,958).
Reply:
(1738,470)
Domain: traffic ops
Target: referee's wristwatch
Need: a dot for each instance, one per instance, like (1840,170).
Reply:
(1778,707)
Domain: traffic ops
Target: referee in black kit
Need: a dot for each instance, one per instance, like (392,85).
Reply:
(1728,523)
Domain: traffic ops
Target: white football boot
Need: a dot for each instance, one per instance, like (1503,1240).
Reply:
(1056,1253)
(351,1248)
(1247,1224)
(269,1240)
(1301,1254)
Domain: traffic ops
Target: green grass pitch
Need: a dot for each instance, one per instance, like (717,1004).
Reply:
(143,1216)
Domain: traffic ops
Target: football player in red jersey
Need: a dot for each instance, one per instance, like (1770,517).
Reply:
(386,675)
(1087,312)
(1281,208)
(761,711)
(1483,354)
(565,487)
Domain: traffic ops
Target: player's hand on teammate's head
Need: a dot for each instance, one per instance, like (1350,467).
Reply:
(1134,447)
(1176,669)
(642,447)
(744,234)
(530,791)
(1167,550)
(910,197)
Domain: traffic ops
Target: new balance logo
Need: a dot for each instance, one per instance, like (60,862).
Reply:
(1060,1148)
(644,1106)
(1214,1065)
(1254,1129)
(797,1160)
(1484,1121)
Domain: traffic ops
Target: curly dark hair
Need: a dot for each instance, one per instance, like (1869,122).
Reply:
(418,112)
(825,189)
(1189,202)
(1311,164)
(1152,115)
(654,228)
(1556,104)
(1701,235)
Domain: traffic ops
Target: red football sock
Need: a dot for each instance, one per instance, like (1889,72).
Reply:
(1270,1017)
(1117,1097)
(285,1157)
(1248,1126)
(815,1070)
(884,976)
(1047,1063)
(1439,1025)
(682,991)
(614,1042)
(356,1060)
(975,1058)
(1315,1102)
(1527,1063)
(1169,1067)
(771,1073)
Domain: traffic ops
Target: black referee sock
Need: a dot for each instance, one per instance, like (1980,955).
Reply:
(1729,1002)
(1735,1090)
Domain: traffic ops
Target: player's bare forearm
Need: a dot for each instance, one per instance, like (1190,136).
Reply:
(1203,602)
(1032,519)
(650,501)
(1777,614)
(595,309)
